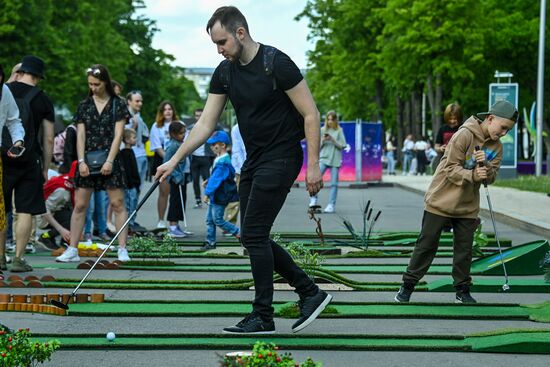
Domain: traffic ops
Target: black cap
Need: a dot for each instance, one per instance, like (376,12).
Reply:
(32,65)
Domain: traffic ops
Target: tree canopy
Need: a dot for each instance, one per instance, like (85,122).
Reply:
(72,35)
(374,59)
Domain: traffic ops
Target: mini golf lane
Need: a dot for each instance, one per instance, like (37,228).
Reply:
(538,312)
(519,341)
(520,260)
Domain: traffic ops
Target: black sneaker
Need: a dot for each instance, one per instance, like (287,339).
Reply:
(404,294)
(208,246)
(252,324)
(463,296)
(310,308)
(198,204)
(47,242)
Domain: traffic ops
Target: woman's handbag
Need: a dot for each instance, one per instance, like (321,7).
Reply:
(95,159)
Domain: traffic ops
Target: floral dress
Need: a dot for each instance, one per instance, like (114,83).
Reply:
(100,132)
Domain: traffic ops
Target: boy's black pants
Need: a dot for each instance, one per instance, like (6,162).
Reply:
(428,241)
(262,193)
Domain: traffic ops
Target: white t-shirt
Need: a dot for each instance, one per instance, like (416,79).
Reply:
(159,136)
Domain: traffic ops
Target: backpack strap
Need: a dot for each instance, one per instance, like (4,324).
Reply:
(269,57)
(31,94)
(224,74)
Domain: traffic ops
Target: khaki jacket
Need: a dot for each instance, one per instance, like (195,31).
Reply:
(453,192)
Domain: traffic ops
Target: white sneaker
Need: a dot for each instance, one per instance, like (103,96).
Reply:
(70,255)
(312,201)
(123,255)
(111,227)
(10,247)
(29,248)
(161,224)
(187,233)
(329,209)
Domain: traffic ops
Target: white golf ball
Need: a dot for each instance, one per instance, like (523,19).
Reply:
(111,336)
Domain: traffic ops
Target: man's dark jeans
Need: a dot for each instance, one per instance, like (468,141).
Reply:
(262,192)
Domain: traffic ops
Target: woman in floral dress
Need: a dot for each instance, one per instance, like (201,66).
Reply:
(100,120)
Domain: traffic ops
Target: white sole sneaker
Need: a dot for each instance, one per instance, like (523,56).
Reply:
(314,315)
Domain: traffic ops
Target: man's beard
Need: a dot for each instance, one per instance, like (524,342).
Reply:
(239,52)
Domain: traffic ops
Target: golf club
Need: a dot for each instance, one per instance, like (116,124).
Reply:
(505,287)
(65,305)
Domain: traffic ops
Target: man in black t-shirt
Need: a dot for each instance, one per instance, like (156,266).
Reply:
(24,179)
(275,110)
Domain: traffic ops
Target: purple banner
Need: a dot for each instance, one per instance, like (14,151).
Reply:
(371,151)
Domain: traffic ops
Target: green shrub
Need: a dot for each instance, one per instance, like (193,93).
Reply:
(307,259)
(143,244)
(480,240)
(16,349)
(266,354)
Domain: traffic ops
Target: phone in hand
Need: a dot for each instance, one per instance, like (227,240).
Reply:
(16,151)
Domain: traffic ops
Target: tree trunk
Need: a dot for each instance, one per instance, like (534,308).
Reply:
(400,126)
(416,112)
(431,102)
(407,117)
(437,105)
(379,98)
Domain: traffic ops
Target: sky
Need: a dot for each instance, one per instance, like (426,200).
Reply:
(182,26)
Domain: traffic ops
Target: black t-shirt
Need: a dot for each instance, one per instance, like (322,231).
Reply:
(270,125)
(445,134)
(41,107)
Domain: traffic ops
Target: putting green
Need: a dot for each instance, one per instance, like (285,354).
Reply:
(519,341)
(343,309)
(494,285)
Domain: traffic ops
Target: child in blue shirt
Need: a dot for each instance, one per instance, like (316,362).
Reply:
(220,190)
(178,180)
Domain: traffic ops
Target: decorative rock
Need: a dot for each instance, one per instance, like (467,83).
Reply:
(14,277)
(5,298)
(3,284)
(35,284)
(84,265)
(112,266)
(47,278)
(17,284)
(31,277)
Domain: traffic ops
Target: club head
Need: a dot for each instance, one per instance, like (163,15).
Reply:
(505,287)
(58,304)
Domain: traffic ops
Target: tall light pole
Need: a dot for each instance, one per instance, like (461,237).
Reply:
(540,89)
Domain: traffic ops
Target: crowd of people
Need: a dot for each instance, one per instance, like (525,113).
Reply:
(87,190)
(420,155)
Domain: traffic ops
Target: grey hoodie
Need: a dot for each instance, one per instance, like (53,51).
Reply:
(453,192)
(9,116)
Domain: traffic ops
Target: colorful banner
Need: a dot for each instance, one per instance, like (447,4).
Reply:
(369,153)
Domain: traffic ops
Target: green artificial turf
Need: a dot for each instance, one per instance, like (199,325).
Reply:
(525,342)
(308,342)
(494,285)
(343,310)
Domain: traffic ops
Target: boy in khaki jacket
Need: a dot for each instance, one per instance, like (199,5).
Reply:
(454,195)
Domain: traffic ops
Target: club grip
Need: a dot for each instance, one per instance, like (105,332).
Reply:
(480,164)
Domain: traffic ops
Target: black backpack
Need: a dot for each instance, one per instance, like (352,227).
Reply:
(26,116)
(269,56)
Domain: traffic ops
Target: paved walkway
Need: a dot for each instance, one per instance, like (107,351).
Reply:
(529,211)
(401,208)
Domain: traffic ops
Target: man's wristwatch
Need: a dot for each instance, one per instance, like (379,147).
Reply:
(81,160)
